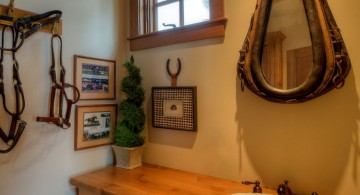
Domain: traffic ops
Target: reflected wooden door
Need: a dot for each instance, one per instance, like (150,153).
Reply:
(299,65)
(271,60)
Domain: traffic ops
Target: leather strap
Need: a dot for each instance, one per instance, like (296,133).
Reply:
(34,23)
(59,85)
(28,25)
(20,28)
(15,139)
(17,126)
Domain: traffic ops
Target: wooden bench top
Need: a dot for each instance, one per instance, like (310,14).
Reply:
(152,179)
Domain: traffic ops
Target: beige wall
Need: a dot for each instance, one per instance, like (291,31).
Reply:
(315,145)
(44,159)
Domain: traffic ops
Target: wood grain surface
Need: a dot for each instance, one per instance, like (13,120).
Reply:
(152,179)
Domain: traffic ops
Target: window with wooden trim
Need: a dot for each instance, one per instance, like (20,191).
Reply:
(169,14)
(155,23)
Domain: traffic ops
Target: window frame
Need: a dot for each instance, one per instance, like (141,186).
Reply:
(215,27)
(164,3)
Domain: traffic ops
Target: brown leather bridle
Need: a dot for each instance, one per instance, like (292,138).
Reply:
(21,29)
(60,85)
(17,125)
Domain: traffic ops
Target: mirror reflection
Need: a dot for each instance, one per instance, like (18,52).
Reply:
(287,57)
(304,55)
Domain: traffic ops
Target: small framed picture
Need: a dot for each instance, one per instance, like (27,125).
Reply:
(95,78)
(95,126)
(174,108)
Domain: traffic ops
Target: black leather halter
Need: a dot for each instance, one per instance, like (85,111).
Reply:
(21,29)
(28,25)
(17,125)
(61,86)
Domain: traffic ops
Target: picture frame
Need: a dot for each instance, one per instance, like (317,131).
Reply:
(95,78)
(174,108)
(94,125)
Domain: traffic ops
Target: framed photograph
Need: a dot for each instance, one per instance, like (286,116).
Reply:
(95,78)
(95,126)
(174,108)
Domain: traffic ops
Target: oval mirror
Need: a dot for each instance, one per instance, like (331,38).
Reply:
(293,52)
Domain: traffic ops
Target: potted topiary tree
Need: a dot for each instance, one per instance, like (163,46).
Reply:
(129,143)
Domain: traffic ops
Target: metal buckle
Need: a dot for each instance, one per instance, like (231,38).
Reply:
(36,23)
(19,24)
(61,121)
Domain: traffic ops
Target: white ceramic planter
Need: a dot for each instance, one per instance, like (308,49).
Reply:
(128,158)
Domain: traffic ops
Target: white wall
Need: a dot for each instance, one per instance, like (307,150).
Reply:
(44,159)
(315,145)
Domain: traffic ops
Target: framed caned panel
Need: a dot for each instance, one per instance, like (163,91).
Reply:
(174,108)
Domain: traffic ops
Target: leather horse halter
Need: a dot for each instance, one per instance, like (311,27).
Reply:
(61,86)
(21,28)
(16,122)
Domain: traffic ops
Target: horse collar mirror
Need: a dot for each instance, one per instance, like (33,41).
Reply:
(310,44)
(20,28)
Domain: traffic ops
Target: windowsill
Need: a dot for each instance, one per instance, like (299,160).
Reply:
(194,32)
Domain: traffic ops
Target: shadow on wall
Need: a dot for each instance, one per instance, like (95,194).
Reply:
(308,144)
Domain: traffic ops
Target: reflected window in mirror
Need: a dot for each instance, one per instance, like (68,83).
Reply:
(155,23)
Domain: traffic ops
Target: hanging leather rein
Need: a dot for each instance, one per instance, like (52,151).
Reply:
(21,29)
(61,86)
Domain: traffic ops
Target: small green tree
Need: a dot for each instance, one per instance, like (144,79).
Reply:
(131,111)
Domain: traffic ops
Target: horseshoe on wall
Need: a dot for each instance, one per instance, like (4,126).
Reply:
(172,75)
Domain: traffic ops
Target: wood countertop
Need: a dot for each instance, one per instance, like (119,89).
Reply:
(152,179)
